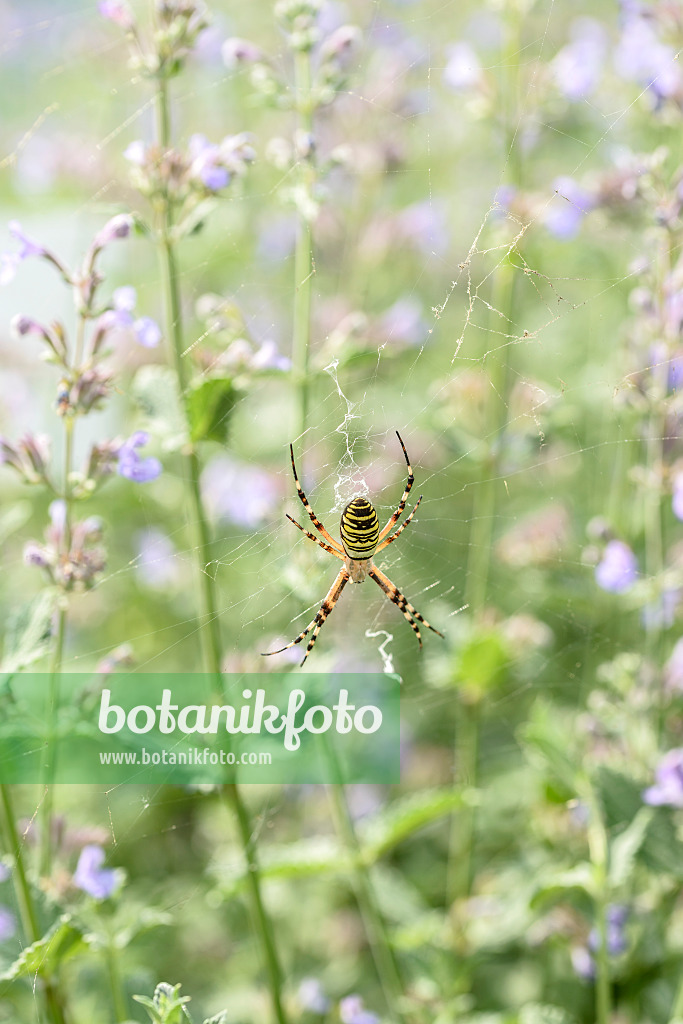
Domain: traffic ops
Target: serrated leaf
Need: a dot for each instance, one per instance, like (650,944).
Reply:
(29,631)
(620,796)
(662,850)
(316,856)
(155,390)
(210,405)
(43,957)
(219,1018)
(405,817)
(624,847)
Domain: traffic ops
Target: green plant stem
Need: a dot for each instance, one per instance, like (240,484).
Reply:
(210,631)
(303,253)
(677,1008)
(27,911)
(115,986)
(386,964)
(598,849)
(47,808)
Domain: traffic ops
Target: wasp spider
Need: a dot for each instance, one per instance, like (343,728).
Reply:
(361,539)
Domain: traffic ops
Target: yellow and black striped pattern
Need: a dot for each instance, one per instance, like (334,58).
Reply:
(359,529)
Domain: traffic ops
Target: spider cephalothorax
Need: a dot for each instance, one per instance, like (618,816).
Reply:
(361,539)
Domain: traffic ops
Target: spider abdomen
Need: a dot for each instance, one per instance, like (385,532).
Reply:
(359,529)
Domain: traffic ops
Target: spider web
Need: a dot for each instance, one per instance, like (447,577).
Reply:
(271,580)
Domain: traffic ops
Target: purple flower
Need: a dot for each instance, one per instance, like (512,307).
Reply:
(352,1011)
(156,562)
(403,323)
(119,226)
(207,164)
(616,918)
(661,613)
(28,247)
(578,66)
(242,494)
(141,471)
(423,225)
(9,261)
(146,330)
(312,997)
(269,357)
(239,51)
(618,569)
(640,57)
(572,202)
(91,877)
(8,924)
(677,496)
(463,70)
(668,787)
(118,12)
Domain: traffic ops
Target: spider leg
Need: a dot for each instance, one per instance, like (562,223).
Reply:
(394,594)
(304,501)
(404,499)
(311,536)
(401,528)
(318,622)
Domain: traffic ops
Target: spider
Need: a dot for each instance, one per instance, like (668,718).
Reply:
(361,539)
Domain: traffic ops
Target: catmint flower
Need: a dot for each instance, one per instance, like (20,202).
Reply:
(156,562)
(22,325)
(29,456)
(352,1011)
(423,225)
(404,323)
(206,164)
(463,71)
(312,997)
(37,555)
(641,57)
(668,788)
(339,44)
(618,569)
(577,67)
(57,514)
(239,493)
(677,496)
(118,12)
(236,51)
(8,924)
(583,963)
(572,202)
(131,466)
(91,877)
(119,226)
(616,917)
(147,331)
(9,261)
(268,357)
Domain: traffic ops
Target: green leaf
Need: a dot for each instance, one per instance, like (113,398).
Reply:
(625,847)
(549,744)
(555,886)
(210,405)
(43,957)
(540,1013)
(219,1018)
(403,818)
(29,631)
(155,390)
(316,856)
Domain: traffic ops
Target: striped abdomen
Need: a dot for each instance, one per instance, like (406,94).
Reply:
(359,529)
